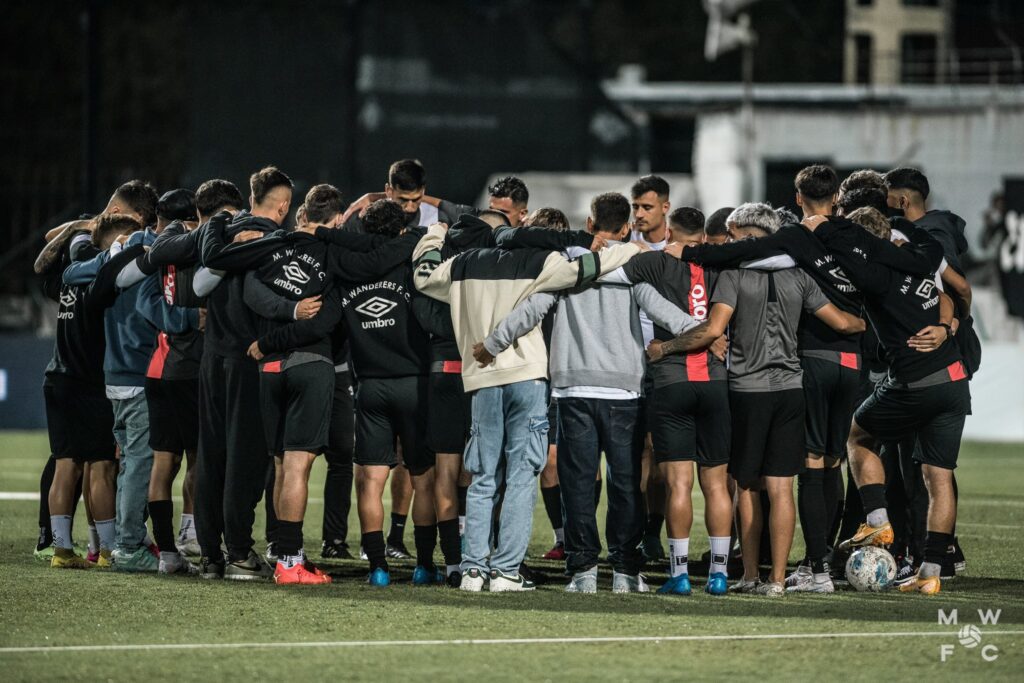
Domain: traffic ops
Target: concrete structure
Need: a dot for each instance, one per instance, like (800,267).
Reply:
(875,51)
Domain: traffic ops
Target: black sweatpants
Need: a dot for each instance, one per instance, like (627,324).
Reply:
(340,446)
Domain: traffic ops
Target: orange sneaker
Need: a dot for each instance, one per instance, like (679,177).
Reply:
(927,585)
(869,535)
(299,575)
(313,569)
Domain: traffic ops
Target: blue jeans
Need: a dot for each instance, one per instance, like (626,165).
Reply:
(507,445)
(131,431)
(586,427)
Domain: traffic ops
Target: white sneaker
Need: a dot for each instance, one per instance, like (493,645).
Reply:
(745,586)
(472,581)
(770,589)
(583,582)
(175,563)
(800,575)
(189,546)
(509,583)
(820,583)
(624,583)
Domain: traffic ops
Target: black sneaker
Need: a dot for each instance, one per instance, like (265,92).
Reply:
(211,569)
(252,568)
(947,568)
(957,555)
(454,579)
(905,570)
(335,550)
(397,551)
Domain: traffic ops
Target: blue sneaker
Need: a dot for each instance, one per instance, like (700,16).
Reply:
(379,577)
(677,585)
(421,576)
(717,584)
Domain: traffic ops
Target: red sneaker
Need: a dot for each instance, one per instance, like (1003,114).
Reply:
(556,553)
(313,569)
(299,575)
(152,547)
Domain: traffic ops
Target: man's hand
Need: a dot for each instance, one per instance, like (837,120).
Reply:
(654,352)
(674,249)
(121,239)
(307,308)
(812,222)
(644,246)
(599,243)
(482,355)
(202,319)
(254,351)
(247,235)
(929,338)
(359,205)
(719,348)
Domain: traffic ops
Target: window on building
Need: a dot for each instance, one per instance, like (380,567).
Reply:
(862,57)
(919,58)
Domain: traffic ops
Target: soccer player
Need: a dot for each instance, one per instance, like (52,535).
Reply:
(766,393)
(509,412)
(407,185)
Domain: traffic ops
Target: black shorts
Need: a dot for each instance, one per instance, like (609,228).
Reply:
(173,414)
(296,407)
(449,413)
(767,435)
(936,414)
(830,394)
(390,407)
(691,422)
(80,420)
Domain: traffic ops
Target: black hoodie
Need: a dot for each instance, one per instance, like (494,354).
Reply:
(948,229)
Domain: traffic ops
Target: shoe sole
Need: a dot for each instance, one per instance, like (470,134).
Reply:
(245,577)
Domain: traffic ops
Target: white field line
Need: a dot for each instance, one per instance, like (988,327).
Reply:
(495,641)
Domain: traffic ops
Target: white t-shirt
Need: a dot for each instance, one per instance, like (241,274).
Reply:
(646,326)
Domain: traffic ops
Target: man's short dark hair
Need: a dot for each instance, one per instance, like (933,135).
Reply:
(865,177)
(177,205)
(817,183)
(650,183)
(548,217)
(715,225)
(216,194)
(861,197)
(609,211)
(687,219)
(907,178)
(266,179)
(511,187)
(384,217)
(323,202)
(111,225)
(407,175)
(140,197)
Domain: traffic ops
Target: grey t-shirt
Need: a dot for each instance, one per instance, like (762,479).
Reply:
(762,333)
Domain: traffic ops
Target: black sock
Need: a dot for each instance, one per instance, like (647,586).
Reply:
(45,482)
(653,526)
(373,546)
(462,500)
(598,485)
(397,532)
(425,538)
(813,516)
(287,538)
(451,547)
(552,496)
(956,499)
(936,545)
(162,513)
(872,496)
(833,488)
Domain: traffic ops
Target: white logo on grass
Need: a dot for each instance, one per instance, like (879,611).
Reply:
(969,635)
(375,307)
(293,272)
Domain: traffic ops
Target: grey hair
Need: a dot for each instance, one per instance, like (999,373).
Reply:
(755,215)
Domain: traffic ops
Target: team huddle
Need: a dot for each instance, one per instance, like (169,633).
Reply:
(462,353)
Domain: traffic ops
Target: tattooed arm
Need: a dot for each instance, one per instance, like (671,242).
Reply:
(696,338)
(52,249)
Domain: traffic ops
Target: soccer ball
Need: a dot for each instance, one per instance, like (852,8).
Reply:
(870,569)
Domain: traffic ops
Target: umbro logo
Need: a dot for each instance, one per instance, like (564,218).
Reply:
(68,298)
(293,272)
(375,307)
(925,289)
(838,274)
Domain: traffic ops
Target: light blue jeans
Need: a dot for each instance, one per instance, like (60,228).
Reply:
(131,431)
(507,445)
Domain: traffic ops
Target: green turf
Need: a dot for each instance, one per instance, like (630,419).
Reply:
(39,606)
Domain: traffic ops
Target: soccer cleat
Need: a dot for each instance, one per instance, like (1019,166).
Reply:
(869,535)
(252,568)
(745,586)
(43,554)
(335,550)
(509,583)
(809,584)
(300,574)
(176,563)
(651,548)
(718,584)
(677,585)
(626,583)
(799,575)
(141,560)
(312,568)
(271,554)
(472,580)
(583,582)
(556,553)
(104,560)
(929,585)
(211,569)
(424,576)
(93,556)
(397,551)
(379,577)
(454,579)
(770,589)
(68,559)
(190,547)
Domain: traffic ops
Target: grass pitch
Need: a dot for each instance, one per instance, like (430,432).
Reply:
(131,626)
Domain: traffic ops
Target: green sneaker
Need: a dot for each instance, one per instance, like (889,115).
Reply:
(139,561)
(44,554)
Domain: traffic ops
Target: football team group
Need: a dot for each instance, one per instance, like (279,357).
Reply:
(456,354)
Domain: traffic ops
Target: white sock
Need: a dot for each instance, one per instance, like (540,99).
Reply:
(94,539)
(168,556)
(927,569)
(187,527)
(462,525)
(107,532)
(449,568)
(560,536)
(719,554)
(61,525)
(678,550)
(878,517)
(290,561)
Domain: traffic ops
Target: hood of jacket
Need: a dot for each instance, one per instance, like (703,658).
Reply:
(946,222)
(244,220)
(469,232)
